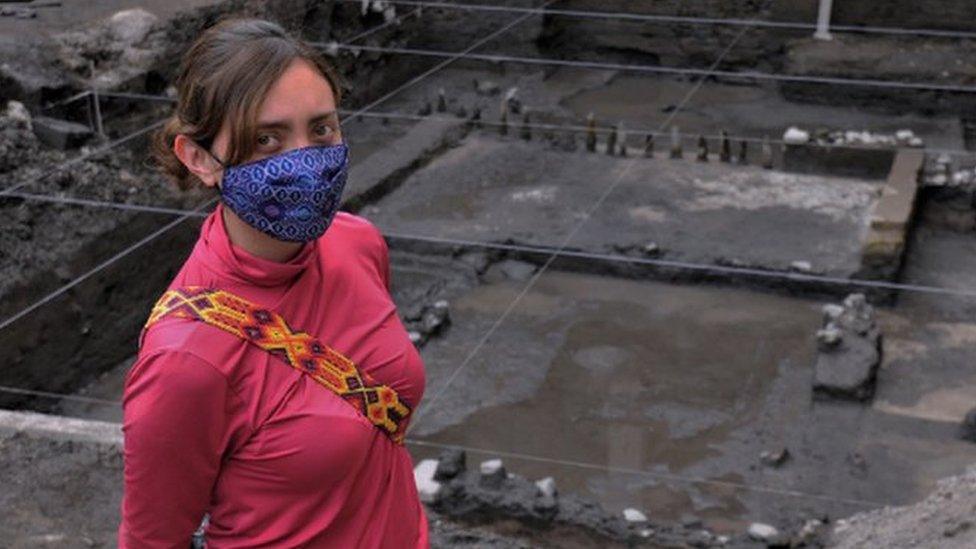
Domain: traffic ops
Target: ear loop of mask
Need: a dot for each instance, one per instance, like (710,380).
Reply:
(223,166)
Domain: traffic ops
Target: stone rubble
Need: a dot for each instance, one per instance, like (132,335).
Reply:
(767,534)
(633,515)
(796,136)
(423,475)
(801,266)
(775,458)
(901,138)
(427,322)
(118,51)
(547,487)
(848,351)
(944,520)
(490,494)
(18,145)
(18,12)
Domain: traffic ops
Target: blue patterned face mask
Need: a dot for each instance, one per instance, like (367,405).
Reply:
(291,196)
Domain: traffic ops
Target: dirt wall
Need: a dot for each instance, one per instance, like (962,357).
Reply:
(657,43)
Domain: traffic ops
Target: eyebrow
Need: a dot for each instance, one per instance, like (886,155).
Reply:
(285,124)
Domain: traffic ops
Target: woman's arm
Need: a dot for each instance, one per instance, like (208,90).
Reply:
(179,416)
(384,260)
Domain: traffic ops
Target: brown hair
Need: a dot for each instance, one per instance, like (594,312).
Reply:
(224,76)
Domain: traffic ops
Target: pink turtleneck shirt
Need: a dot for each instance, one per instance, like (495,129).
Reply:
(215,424)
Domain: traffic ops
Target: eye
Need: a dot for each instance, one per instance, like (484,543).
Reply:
(267,141)
(322,130)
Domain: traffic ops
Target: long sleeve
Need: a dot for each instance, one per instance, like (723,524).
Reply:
(372,246)
(385,262)
(179,418)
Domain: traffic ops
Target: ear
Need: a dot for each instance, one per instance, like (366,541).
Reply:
(200,162)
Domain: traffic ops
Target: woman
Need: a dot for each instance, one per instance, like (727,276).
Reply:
(239,415)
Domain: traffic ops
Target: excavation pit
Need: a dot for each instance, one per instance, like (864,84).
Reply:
(630,370)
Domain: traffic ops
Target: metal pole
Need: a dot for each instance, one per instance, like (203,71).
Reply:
(99,129)
(823,21)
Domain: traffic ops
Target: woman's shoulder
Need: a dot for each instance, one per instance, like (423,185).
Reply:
(355,234)
(176,338)
(353,226)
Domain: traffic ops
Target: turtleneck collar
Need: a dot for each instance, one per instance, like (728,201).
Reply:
(227,259)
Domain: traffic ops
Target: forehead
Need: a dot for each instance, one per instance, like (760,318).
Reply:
(301,91)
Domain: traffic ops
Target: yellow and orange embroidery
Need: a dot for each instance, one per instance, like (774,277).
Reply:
(379,403)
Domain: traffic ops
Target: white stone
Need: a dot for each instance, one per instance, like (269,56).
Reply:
(18,112)
(423,476)
(904,135)
(546,486)
(962,177)
(131,26)
(829,335)
(796,136)
(722,540)
(633,515)
(832,310)
(802,266)
(539,194)
(916,142)
(442,304)
(855,301)
(646,532)
(762,532)
(810,528)
(415,337)
(491,466)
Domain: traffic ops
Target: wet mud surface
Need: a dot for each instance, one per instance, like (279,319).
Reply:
(639,381)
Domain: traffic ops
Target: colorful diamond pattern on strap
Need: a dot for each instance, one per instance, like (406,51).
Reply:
(379,403)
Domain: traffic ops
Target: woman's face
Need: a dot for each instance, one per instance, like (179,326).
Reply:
(298,111)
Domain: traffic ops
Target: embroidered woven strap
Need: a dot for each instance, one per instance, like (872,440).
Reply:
(379,403)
